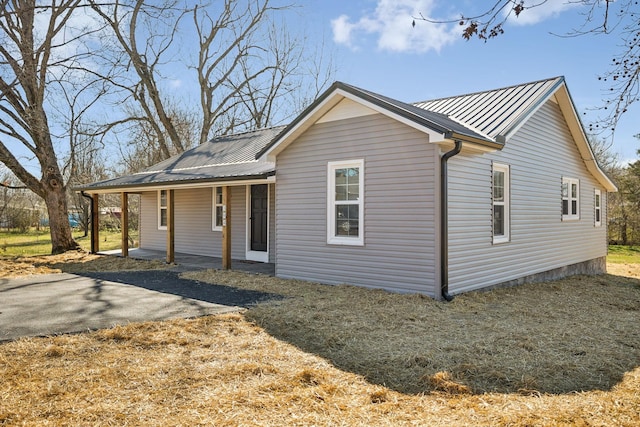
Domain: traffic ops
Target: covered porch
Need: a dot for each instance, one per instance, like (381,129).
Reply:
(195,262)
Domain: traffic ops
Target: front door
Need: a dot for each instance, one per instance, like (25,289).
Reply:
(258,223)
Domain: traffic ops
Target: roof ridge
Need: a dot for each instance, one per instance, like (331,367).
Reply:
(245,132)
(488,90)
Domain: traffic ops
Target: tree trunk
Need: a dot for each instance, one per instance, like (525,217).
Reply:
(61,238)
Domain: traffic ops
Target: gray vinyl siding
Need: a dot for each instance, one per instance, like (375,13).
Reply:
(539,155)
(272,223)
(193,222)
(400,182)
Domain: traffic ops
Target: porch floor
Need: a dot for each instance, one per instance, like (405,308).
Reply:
(197,262)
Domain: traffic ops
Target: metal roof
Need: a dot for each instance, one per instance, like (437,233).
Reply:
(494,113)
(483,118)
(436,120)
(220,159)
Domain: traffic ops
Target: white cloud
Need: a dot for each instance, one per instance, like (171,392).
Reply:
(541,11)
(390,22)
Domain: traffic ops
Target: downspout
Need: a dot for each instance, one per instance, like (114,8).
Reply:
(86,196)
(444,222)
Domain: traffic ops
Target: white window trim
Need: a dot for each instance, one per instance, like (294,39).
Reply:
(597,207)
(332,239)
(160,208)
(506,237)
(214,210)
(571,216)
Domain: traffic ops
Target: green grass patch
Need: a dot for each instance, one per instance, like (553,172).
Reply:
(619,254)
(38,242)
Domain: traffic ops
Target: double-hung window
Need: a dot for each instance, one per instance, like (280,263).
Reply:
(162,209)
(345,203)
(500,200)
(597,203)
(216,222)
(570,199)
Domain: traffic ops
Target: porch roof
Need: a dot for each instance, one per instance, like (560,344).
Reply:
(223,159)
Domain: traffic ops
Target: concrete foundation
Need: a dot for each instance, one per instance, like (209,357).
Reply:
(590,267)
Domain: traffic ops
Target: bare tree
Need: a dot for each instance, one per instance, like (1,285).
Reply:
(144,33)
(247,70)
(30,59)
(606,17)
(141,147)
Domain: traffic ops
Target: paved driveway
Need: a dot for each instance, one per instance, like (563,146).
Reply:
(62,303)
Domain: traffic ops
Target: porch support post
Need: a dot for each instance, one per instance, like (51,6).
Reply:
(171,256)
(226,227)
(95,226)
(124,220)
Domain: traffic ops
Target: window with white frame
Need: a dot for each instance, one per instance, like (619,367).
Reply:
(162,209)
(217,210)
(597,203)
(570,199)
(500,200)
(345,202)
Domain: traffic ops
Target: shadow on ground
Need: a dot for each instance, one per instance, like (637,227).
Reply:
(576,334)
(169,282)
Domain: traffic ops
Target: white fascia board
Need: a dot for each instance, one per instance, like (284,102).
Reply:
(577,131)
(532,110)
(299,128)
(178,186)
(434,137)
(324,107)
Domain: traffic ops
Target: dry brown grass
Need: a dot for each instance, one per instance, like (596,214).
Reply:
(224,370)
(571,335)
(563,353)
(624,269)
(70,262)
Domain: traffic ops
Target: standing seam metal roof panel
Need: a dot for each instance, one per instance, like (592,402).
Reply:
(495,112)
(222,158)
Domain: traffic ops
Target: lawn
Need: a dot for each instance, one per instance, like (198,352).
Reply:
(38,242)
(619,254)
(555,354)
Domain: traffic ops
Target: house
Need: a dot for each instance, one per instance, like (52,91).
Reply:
(437,197)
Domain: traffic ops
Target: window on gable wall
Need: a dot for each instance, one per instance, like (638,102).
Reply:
(570,199)
(216,223)
(500,201)
(345,203)
(597,203)
(162,209)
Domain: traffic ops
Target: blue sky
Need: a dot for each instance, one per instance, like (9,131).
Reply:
(377,49)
